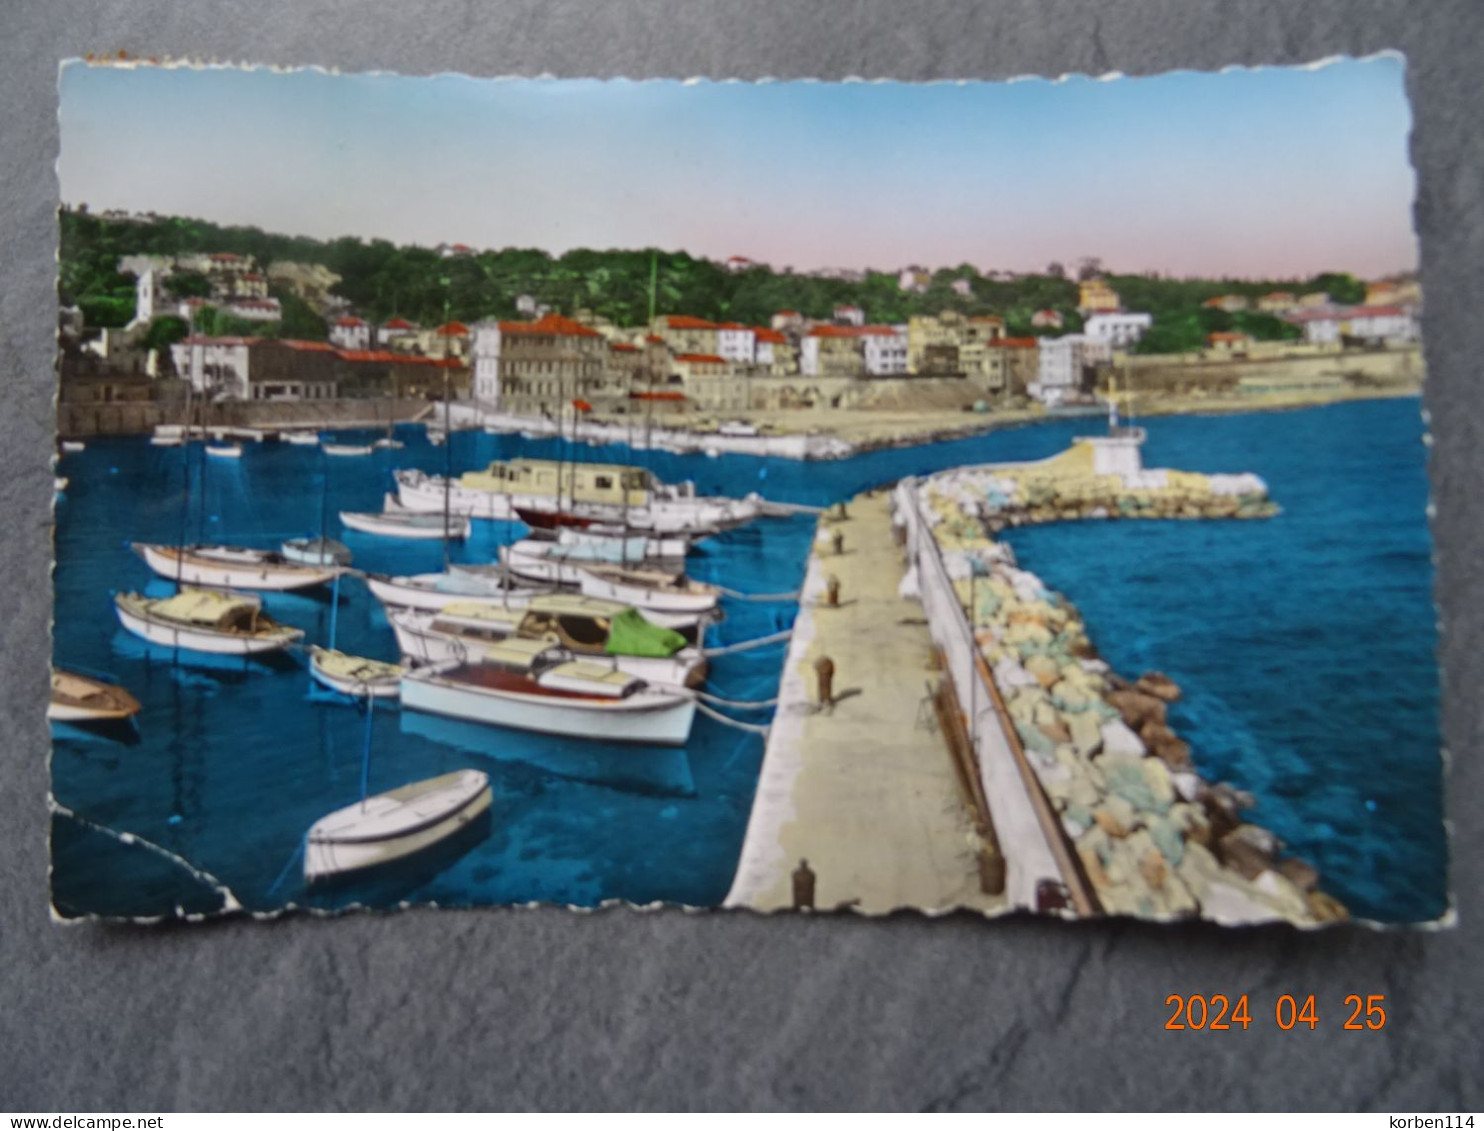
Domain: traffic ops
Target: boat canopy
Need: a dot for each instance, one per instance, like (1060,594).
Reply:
(210,608)
(632,635)
(516,653)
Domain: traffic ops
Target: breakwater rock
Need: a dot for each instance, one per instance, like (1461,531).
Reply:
(1153,838)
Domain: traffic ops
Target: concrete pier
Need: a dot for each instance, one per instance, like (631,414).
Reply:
(864,790)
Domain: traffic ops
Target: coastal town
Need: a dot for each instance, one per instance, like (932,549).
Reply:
(211,324)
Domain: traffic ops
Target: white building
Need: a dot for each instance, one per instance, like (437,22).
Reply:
(1381,324)
(736,342)
(1063,364)
(485,349)
(151,298)
(964,287)
(847,315)
(1117,330)
(216,367)
(885,351)
(253,309)
(351,333)
(1321,324)
(525,304)
(913,279)
(394,329)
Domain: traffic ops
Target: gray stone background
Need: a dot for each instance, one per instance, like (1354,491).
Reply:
(548,1009)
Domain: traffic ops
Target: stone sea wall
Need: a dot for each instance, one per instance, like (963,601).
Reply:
(1152,836)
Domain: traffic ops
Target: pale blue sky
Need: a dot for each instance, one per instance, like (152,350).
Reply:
(1272,172)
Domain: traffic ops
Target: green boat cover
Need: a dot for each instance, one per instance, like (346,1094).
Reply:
(632,635)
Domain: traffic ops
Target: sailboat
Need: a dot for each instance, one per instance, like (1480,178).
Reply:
(205,620)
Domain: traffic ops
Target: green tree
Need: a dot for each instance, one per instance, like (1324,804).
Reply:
(164,333)
(188,284)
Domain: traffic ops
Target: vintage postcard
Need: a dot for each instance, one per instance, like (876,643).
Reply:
(787,496)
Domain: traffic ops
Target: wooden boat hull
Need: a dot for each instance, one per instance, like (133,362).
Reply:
(195,570)
(462,797)
(194,638)
(82,699)
(651,717)
(421,645)
(407,525)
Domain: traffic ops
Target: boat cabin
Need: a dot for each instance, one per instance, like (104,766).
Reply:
(221,612)
(612,483)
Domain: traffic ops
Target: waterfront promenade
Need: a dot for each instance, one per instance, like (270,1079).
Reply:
(865,792)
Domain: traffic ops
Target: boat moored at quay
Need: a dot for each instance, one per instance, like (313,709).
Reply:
(609,493)
(601,631)
(528,685)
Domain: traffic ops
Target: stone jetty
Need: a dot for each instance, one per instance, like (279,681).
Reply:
(1149,835)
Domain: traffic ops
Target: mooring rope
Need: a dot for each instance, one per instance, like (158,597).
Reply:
(752,728)
(736,595)
(740,704)
(229,901)
(745,645)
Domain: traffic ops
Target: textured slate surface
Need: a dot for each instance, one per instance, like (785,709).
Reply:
(548,1009)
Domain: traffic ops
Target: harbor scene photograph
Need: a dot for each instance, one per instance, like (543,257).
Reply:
(765,497)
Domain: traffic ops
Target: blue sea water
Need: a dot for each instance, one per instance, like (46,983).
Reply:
(1305,647)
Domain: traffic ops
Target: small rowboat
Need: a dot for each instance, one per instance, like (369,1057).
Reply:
(73,446)
(393,825)
(303,438)
(354,675)
(347,449)
(232,567)
(166,441)
(224,451)
(408,524)
(80,699)
(316,552)
(205,620)
(386,443)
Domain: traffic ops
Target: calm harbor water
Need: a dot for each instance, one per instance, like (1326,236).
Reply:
(1305,647)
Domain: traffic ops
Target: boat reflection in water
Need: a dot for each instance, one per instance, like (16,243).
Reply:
(662,771)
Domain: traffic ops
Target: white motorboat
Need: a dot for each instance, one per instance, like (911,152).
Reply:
(166,441)
(610,493)
(650,591)
(402,523)
(564,561)
(386,443)
(354,675)
(480,585)
(396,824)
(83,699)
(347,449)
(589,629)
(316,551)
(205,620)
(72,446)
(301,437)
(224,451)
(526,685)
(232,567)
